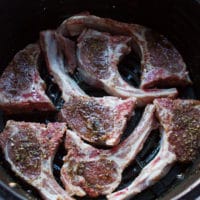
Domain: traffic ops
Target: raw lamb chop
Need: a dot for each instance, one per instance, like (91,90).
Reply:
(161,63)
(98,56)
(95,172)
(21,88)
(180,128)
(30,148)
(97,120)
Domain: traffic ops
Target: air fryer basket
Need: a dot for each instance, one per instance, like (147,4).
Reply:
(21,22)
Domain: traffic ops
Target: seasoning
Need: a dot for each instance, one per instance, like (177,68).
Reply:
(25,152)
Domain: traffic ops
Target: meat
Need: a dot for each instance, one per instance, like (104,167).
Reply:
(97,120)
(98,56)
(21,88)
(58,63)
(69,50)
(180,129)
(91,171)
(30,148)
(180,120)
(74,25)
(161,63)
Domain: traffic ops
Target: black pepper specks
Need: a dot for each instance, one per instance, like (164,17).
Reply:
(25,152)
(181,122)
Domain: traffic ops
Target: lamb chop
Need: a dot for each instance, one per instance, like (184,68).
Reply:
(98,55)
(92,171)
(97,120)
(180,128)
(161,63)
(21,88)
(30,148)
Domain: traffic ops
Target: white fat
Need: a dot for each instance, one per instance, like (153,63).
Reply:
(56,64)
(76,17)
(134,143)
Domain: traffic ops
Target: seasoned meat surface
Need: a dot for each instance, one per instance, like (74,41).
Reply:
(181,121)
(21,88)
(98,120)
(30,149)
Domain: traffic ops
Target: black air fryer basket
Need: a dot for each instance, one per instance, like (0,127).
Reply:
(179,20)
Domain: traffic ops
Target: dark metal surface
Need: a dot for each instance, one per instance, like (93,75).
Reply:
(21,22)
